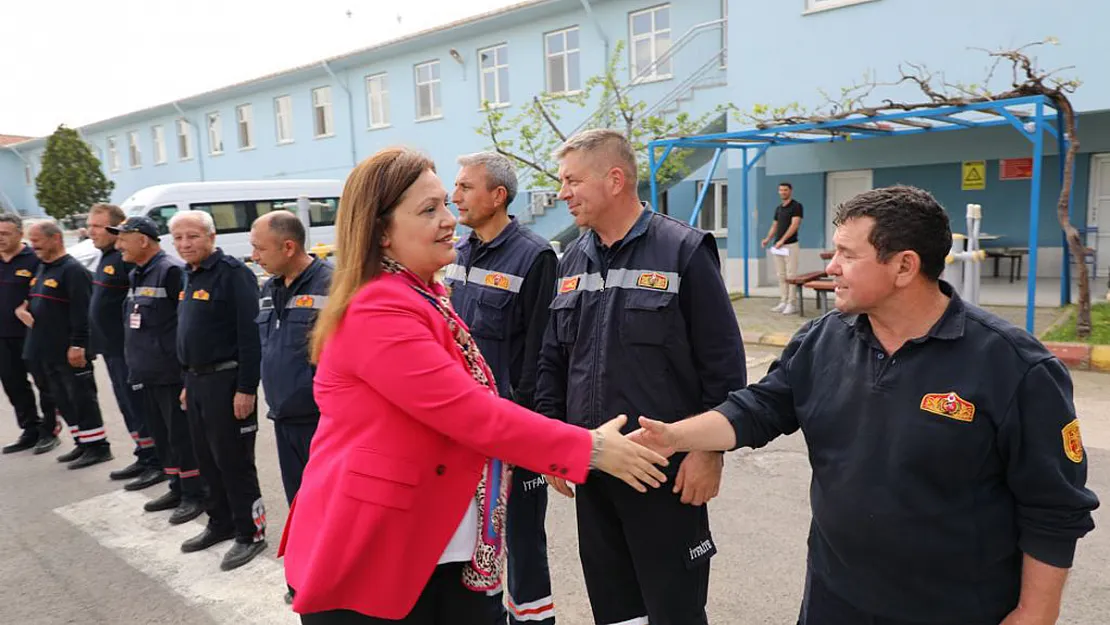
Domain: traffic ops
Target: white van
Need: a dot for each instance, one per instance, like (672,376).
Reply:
(235,204)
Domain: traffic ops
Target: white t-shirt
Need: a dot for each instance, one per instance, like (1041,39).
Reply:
(462,545)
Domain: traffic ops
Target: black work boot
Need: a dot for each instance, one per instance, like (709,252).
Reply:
(27,440)
(92,455)
(46,444)
(241,553)
(149,477)
(167,501)
(186,511)
(206,539)
(129,472)
(71,455)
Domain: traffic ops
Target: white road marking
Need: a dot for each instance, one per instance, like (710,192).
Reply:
(145,540)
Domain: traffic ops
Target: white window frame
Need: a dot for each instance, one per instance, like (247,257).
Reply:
(113,155)
(817,6)
(134,154)
(244,126)
(184,140)
(565,57)
(493,72)
(714,200)
(283,119)
(215,126)
(653,36)
(158,137)
(434,86)
(378,104)
(323,113)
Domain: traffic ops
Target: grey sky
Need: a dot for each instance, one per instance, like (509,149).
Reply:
(79,61)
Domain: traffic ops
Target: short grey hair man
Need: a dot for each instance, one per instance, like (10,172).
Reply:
(13,219)
(603,142)
(201,217)
(499,171)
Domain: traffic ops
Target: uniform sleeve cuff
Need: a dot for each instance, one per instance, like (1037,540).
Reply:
(735,415)
(1057,552)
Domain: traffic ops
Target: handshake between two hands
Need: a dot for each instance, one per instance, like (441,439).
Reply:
(633,457)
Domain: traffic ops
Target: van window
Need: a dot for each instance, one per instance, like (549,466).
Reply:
(230,217)
(321,210)
(161,217)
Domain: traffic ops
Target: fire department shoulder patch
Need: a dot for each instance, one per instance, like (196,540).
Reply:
(110,270)
(949,405)
(653,280)
(566,285)
(497,280)
(202,295)
(23,273)
(51,282)
(303,301)
(1073,442)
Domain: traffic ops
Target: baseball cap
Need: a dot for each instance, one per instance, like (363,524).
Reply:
(143,225)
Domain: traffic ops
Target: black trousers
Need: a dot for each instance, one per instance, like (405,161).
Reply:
(13,377)
(526,538)
(644,556)
(74,389)
(169,427)
(130,402)
(444,601)
(225,453)
(293,442)
(821,607)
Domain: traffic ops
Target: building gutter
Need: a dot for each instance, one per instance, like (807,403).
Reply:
(350,110)
(200,152)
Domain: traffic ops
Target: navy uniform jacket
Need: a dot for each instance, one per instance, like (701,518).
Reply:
(644,327)
(502,290)
(60,305)
(216,318)
(111,282)
(15,285)
(934,468)
(285,319)
(150,339)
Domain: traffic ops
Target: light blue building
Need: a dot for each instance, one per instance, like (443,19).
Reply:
(426,90)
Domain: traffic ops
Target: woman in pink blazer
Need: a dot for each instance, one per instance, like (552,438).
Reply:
(400,514)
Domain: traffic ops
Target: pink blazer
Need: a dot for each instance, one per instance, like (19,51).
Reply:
(404,432)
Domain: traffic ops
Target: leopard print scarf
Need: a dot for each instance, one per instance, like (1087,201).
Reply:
(483,572)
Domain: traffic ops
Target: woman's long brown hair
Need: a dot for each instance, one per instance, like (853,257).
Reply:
(369,197)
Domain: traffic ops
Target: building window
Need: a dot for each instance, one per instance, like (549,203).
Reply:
(428,102)
(714,208)
(377,95)
(283,117)
(113,155)
(322,121)
(493,68)
(563,74)
(244,120)
(158,134)
(184,140)
(135,156)
(215,134)
(650,33)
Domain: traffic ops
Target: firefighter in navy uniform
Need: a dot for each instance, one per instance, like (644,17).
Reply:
(18,265)
(948,469)
(150,337)
(641,324)
(501,285)
(110,287)
(58,317)
(290,301)
(218,345)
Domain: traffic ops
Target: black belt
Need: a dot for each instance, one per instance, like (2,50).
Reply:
(227,365)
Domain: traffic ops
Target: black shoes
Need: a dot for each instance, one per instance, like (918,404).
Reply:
(46,444)
(168,501)
(129,472)
(186,511)
(92,455)
(71,455)
(26,441)
(206,539)
(149,477)
(241,553)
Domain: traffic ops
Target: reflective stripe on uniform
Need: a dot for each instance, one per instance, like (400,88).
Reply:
(156,292)
(315,302)
(485,277)
(456,272)
(666,281)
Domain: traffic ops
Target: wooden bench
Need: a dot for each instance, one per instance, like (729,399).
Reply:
(1015,254)
(799,281)
(821,289)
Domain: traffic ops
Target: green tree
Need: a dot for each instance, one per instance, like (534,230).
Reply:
(532,133)
(71,179)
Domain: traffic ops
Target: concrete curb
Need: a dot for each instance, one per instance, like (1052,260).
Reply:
(1100,358)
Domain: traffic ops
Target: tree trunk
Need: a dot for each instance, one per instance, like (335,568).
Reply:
(1075,245)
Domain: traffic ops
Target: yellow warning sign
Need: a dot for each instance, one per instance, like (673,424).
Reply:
(974,175)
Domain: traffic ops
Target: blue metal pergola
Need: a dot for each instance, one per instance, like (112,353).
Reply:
(1032,116)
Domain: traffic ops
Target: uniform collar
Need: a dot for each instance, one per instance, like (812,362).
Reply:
(509,231)
(302,278)
(949,327)
(595,248)
(208,263)
(57,262)
(24,252)
(150,263)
